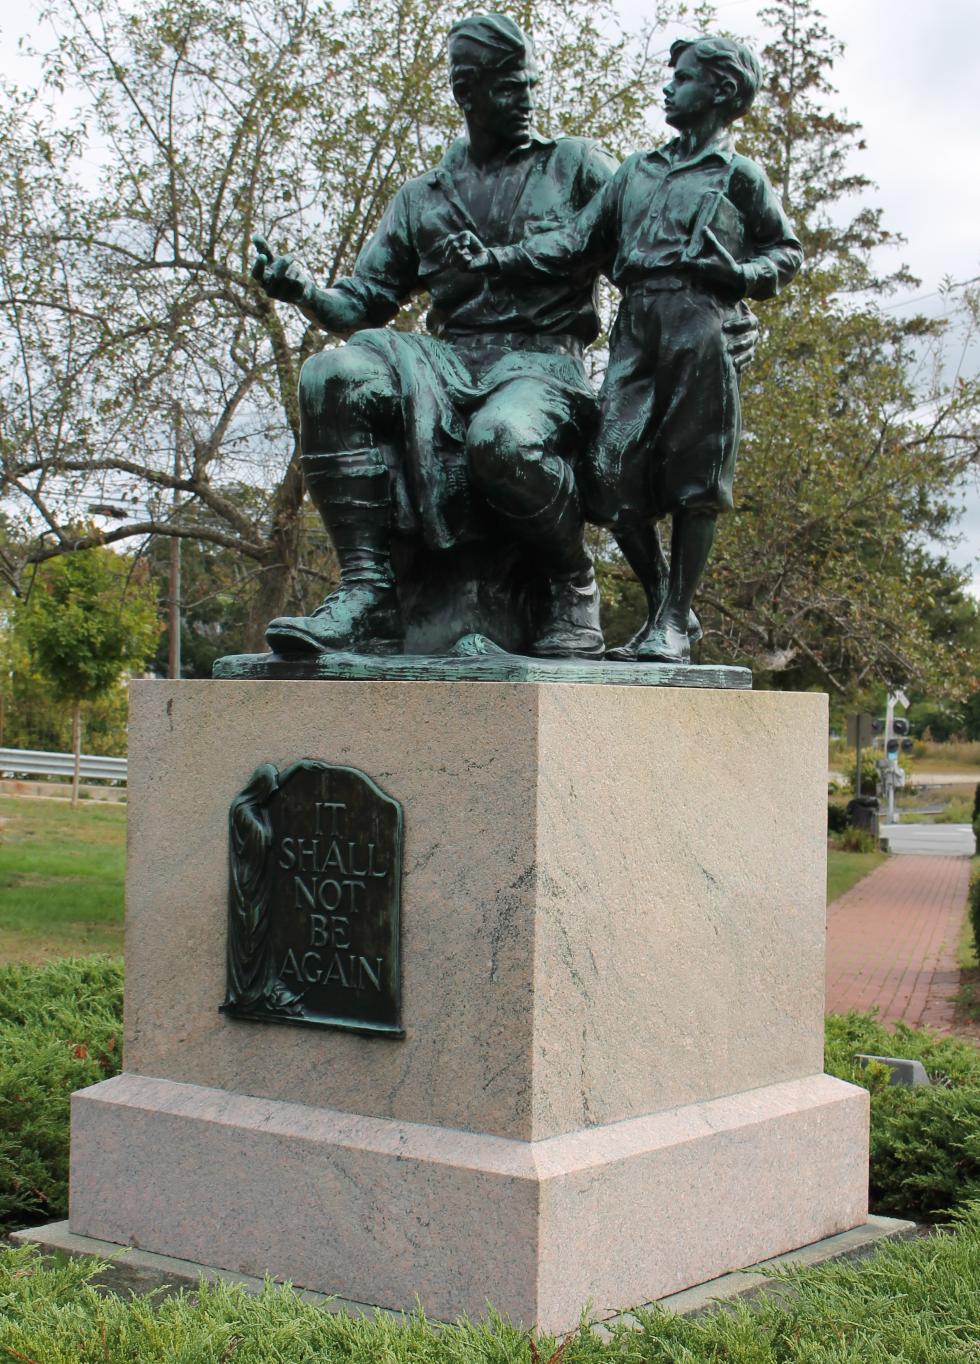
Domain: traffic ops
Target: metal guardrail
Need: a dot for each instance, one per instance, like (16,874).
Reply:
(33,762)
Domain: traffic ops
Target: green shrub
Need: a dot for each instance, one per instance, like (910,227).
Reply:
(856,841)
(974,897)
(956,810)
(60,1030)
(925,1150)
(925,1141)
(836,818)
(948,1060)
(869,773)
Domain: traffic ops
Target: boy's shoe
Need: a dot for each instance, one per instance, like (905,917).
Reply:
(627,653)
(664,645)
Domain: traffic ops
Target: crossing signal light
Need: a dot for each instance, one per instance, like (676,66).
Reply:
(907,745)
(900,726)
(877,726)
(891,749)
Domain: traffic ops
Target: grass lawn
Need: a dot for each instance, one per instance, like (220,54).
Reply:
(62,871)
(61,878)
(845,869)
(914,1302)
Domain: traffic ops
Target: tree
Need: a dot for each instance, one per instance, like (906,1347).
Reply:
(141,368)
(87,618)
(216,588)
(849,460)
(141,372)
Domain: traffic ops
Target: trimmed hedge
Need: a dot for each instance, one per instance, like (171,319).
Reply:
(925,1141)
(60,1029)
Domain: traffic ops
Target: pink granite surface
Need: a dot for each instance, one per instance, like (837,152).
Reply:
(612,946)
(613,900)
(383,1211)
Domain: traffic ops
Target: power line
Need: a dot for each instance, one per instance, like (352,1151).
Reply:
(936,293)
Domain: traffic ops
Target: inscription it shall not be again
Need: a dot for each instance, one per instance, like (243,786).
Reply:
(314,900)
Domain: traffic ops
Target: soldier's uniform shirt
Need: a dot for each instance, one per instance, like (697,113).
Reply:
(483,333)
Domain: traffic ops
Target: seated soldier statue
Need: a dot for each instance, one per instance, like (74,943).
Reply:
(464,437)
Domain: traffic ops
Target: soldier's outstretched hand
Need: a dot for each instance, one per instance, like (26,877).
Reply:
(281,277)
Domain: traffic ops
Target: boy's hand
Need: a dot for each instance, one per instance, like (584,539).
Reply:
(742,337)
(467,252)
(720,270)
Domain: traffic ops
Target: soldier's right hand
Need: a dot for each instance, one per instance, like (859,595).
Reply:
(467,252)
(283,277)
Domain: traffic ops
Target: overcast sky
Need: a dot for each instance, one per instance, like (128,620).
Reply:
(911,75)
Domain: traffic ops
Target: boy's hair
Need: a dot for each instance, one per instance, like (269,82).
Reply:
(726,60)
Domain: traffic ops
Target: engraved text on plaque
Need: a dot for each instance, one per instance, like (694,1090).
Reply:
(314,900)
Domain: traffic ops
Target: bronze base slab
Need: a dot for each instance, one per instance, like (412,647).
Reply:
(476,659)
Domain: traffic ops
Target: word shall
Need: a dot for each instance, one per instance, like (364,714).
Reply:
(330,872)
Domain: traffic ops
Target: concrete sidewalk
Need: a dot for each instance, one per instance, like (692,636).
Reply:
(892,941)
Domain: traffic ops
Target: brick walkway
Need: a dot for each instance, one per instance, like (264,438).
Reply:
(892,941)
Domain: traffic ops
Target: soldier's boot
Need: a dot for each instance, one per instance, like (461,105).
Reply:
(352,492)
(556,533)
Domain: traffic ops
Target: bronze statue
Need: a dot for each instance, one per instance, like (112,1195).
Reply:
(470,434)
(685,232)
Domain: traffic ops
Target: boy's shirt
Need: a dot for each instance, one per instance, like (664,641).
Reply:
(654,211)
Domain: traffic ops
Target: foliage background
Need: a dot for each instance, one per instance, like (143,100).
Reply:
(147,388)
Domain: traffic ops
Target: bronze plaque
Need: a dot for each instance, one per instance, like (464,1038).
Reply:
(314,900)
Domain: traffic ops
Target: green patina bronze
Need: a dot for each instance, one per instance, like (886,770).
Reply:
(314,900)
(455,470)
(476,659)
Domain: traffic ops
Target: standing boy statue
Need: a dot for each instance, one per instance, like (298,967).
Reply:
(685,232)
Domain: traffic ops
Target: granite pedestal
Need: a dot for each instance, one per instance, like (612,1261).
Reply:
(610,1083)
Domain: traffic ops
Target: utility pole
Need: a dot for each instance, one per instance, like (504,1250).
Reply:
(173,661)
(859,731)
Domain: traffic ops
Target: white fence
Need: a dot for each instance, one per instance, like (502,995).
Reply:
(31,762)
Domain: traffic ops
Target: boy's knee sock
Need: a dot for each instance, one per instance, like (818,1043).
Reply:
(641,547)
(690,544)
